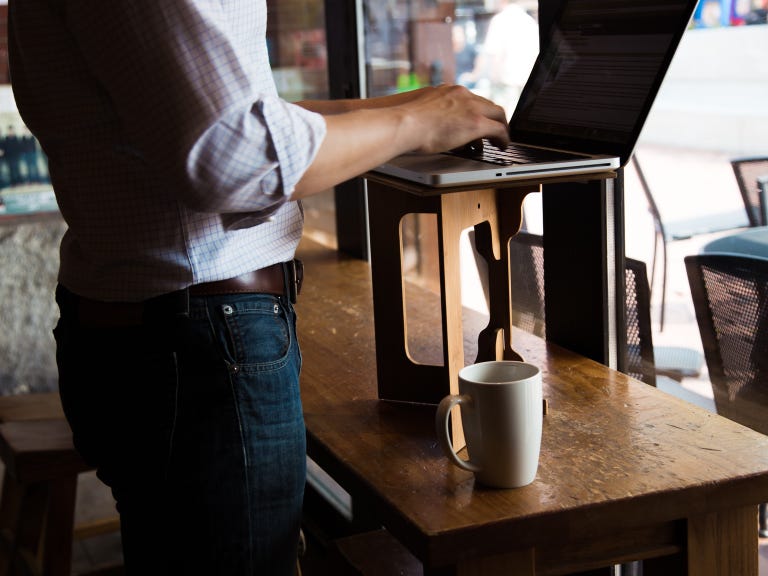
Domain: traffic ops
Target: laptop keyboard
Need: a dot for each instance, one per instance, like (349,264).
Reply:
(512,154)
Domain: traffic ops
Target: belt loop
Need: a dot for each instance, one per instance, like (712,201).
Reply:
(293,274)
(184,308)
(298,267)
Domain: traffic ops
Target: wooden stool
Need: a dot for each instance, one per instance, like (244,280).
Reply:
(43,406)
(39,488)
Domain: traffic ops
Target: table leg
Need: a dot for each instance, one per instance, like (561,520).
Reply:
(723,543)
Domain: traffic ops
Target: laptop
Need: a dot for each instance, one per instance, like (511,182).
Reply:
(585,101)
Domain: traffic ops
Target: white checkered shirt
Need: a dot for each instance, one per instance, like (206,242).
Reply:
(172,156)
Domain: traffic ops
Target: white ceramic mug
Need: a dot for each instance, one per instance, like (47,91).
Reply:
(501,415)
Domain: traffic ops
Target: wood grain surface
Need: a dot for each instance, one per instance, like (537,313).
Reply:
(626,471)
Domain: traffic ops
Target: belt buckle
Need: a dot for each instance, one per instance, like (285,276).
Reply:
(294,277)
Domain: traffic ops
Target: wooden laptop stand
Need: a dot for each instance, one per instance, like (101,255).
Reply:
(496,215)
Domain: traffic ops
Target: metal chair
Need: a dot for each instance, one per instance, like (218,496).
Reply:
(526,256)
(747,171)
(639,351)
(646,361)
(730,297)
(661,236)
(762,188)
(643,361)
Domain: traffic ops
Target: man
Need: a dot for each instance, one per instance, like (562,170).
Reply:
(178,170)
(509,51)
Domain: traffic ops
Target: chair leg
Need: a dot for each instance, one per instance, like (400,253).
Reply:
(653,263)
(37,523)
(764,520)
(59,526)
(663,286)
(30,523)
(10,507)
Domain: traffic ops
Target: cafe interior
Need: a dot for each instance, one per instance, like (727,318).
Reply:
(640,293)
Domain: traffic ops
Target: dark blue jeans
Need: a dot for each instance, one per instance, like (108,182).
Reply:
(195,422)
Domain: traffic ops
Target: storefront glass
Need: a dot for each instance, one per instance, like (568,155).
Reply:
(297,48)
(489,47)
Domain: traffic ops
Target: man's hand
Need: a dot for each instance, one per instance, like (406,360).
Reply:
(363,134)
(446,117)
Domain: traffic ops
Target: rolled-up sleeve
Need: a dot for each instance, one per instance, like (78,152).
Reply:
(251,161)
(295,135)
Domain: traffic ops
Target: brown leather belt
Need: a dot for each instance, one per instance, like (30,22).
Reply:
(282,279)
(269,280)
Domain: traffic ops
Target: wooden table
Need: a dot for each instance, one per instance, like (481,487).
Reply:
(627,472)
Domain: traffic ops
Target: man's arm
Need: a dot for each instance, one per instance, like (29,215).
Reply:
(366,133)
(340,106)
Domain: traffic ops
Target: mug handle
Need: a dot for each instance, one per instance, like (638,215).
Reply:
(443,433)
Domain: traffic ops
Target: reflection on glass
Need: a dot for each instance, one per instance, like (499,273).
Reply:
(25,186)
(503,60)
(299,60)
(297,48)
(487,46)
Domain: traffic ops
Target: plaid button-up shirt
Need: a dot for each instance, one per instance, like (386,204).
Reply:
(172,156)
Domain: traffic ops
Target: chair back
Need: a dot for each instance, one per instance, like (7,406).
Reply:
(637,311)
(747,170)
(730,297)
(526,256)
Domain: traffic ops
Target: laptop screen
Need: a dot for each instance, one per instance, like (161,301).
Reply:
(598,74)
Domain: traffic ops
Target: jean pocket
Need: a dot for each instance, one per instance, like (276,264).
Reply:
(258,332)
